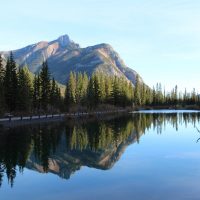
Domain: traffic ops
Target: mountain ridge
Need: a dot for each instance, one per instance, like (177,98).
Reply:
(64,55)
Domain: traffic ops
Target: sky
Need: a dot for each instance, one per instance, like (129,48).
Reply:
(159,39)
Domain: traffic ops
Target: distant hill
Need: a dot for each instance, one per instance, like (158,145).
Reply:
(64,55)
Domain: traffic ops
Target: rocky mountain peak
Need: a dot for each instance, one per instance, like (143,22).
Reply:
(64,41)
(64,55)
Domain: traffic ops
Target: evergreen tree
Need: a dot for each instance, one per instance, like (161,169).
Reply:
(2,73)
(193,97)
(55,96)
(66,98)
(102,89)
(58,99)
(108,89)
(91,93)
(24,90)
(53,93)
(36,93)
(70,94)
(84,88)
(45,86)
(137,92)
(11,84)
(175,97)
(97,89)
(149,96)
(79,88)
(154,96)
(115,91)
(130,94)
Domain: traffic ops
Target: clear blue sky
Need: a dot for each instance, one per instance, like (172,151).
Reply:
(159,39)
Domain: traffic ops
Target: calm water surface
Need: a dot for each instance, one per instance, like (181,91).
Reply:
(143,156)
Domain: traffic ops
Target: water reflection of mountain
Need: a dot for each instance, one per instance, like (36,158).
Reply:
(63,148)
(65,162)
(95,144)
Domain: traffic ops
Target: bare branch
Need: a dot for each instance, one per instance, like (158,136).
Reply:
(198,130)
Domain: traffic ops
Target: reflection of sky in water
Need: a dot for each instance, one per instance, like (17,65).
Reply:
(166,111)
(162,166)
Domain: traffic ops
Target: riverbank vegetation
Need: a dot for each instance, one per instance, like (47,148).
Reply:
(22,92)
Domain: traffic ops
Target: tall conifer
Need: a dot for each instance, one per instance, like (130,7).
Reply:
(45,86)
(11,84)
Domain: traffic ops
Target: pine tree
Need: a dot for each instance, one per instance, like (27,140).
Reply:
(108,89)
(154,96)
(70,94)
(185,97)
(137,92)
(149,96)
(194,97)
(66,98)
(2,73)
(97,92)
(11,84)
(115,91)
(143,94)
(91,93)
(24,90)
(130,93)
(124,93)
(79,88)
(84,88)
(102,89)
(45,86)
(176,95)
(94,91)
(55,96)
(36,93)
(53,93)
(58,99)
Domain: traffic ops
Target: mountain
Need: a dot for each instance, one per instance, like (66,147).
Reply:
(64,55)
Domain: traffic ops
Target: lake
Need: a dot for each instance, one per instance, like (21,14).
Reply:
(142,156)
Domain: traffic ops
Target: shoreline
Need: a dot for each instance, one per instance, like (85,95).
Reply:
(16,120)
(23,120)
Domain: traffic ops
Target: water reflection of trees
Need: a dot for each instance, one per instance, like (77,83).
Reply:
(41,142)
(98,135)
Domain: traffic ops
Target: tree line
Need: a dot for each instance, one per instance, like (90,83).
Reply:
(100,89)
(96,90)
(146,96)
(23,92)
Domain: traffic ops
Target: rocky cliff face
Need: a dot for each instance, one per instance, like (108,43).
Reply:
(64,55)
